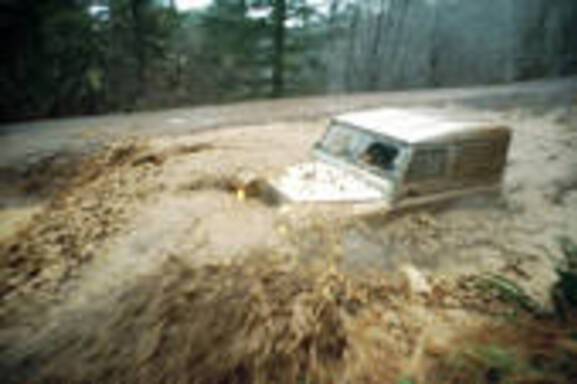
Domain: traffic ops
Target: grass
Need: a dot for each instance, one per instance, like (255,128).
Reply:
(527,349)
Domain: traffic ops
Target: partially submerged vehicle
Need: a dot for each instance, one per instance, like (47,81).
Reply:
(392,158)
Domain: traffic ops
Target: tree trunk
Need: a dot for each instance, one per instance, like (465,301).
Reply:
(376,46)
(279,36)
(118,81)
(435,48)
(333,12)
(137,8)
(351,77)
(398,52)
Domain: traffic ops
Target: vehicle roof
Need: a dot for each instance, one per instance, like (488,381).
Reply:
(423,125)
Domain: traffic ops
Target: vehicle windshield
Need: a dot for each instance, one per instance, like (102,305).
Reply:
(355,146)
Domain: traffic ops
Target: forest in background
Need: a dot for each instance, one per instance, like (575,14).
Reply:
(72,57)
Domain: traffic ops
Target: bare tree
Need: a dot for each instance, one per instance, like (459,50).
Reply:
(279,38)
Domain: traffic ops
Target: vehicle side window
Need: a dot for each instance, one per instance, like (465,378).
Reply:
(477,158)
(427,164)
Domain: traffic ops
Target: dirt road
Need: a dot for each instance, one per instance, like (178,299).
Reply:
(26,142)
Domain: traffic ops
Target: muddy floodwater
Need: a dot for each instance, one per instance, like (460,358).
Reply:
(106,252)
(122,212)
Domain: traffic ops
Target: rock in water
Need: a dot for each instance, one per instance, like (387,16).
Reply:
(414,283)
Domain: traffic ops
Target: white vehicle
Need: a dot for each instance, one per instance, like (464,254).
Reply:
(394,158)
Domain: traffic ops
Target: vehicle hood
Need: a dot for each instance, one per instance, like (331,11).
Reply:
(321,182)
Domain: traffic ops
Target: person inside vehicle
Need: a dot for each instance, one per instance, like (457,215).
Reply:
(380,156)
